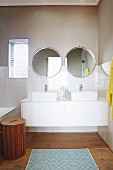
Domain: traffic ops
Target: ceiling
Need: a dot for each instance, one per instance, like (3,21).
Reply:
(47,2)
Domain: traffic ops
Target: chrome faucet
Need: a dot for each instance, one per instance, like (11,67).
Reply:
(80,87)
(46,88)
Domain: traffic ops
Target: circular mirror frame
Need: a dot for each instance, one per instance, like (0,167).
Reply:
(91,53)
(50,48)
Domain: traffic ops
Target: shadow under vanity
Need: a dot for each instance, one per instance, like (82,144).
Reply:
(63,107)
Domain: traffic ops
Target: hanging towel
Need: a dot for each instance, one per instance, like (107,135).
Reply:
(110,90)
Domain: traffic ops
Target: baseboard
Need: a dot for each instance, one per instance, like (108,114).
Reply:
(61,129)
(105,142)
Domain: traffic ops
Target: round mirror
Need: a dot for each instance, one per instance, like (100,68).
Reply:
(46,62)
(80,62)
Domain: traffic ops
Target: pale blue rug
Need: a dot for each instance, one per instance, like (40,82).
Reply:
(61,159)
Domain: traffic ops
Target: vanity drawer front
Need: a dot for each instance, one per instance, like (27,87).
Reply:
(43,114)
(86,113)
(54,114)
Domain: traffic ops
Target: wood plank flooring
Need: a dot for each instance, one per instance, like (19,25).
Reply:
(101,153)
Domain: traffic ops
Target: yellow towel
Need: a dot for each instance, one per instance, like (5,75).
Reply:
(110,90)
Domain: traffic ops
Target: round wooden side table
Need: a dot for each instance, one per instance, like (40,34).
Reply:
(13,138)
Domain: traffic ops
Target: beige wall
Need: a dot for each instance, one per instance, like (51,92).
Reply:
(105,10)
(105,31)
(61,27)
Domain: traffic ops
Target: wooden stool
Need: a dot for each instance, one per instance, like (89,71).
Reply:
(13,138)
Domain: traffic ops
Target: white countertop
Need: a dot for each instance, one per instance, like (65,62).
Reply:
(26,100)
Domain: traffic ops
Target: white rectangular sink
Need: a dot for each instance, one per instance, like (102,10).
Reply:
(43,96)
(84,95)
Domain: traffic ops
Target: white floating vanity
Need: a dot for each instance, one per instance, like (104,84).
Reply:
(41,111)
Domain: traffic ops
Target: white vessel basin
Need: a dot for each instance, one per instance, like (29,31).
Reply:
(84,95)
(43,96)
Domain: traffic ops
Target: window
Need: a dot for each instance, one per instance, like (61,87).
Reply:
(18,58)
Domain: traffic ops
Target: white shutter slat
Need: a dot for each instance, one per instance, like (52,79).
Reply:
(18,58)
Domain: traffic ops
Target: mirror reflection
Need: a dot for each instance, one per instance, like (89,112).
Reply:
(80,62)
(46,62)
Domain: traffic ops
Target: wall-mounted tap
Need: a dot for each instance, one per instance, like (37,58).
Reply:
(80,87)
(46,87)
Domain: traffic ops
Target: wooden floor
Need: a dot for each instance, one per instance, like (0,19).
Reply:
(101,153)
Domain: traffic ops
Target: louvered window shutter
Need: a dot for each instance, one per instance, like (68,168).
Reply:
(18,58)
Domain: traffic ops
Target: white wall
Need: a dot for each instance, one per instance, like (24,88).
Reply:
(13,90)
